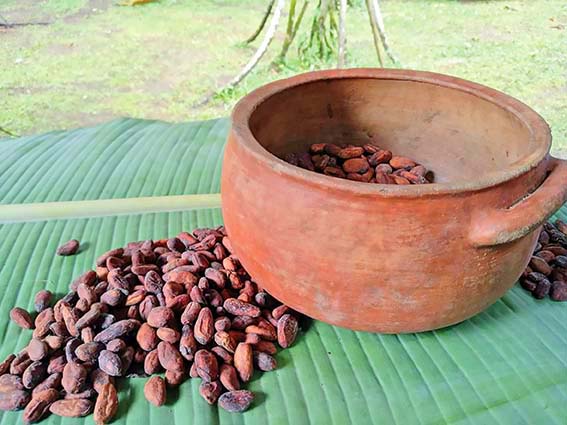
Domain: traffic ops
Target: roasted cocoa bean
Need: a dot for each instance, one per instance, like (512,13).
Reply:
(187,343)
(34,374)
(243,361)
(53,381)
(118,252)
(558,291)
(14,400)
(74,377)
(42,300)
(57,364)
(147,337)
(151,362)
(10,383)
(5,365)
(169,356)
(210,391)
(117,330)
(71,408)
(223,355)
(154,391)
(224,339)
(160,317)
(38,407)
(229,377)
(239,308)
(88,393)
(68,248)
(168,335)
(174,378)
(236,401)
(20,363)
(21,318)
(70,348)
(89,351)
(37,349)
(87,334)
(106,404)
(287,330)
(204,326)
(99,379)
(110,363)
(206,365)
(264,361)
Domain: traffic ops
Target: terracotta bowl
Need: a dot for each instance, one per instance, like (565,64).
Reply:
(388,258)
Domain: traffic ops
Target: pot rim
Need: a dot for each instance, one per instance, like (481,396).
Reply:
(540,134)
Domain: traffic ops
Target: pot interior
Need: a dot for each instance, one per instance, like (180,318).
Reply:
(458,135)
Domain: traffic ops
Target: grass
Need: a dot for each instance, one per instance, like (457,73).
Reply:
(159,59)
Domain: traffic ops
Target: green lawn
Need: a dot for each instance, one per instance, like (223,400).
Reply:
(97,60)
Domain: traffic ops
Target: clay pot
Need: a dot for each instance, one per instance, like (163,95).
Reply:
(388,258)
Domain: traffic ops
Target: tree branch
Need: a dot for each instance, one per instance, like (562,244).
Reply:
(377,15)
(262,24)
(375,35)
(342,33)
(257,56)
(9,133)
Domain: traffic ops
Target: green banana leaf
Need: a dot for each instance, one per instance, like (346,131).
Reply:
(507,365)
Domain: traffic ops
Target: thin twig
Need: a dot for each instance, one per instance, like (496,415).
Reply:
(375,35)
(9,133)
(382,32)
(342,33)
(262,24)
(257,56)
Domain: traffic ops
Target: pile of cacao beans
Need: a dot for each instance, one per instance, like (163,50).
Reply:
(367,163)
(546,273)
(183,306)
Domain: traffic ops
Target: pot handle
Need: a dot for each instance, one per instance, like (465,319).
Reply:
(500,226)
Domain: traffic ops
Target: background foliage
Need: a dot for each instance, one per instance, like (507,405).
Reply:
(97,60)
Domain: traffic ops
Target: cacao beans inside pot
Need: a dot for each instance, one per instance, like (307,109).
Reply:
(183,306)
(367,164)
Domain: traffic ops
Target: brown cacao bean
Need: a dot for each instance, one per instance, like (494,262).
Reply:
(42,300)
(21,318)
(38,407)
(106,404)
(154,391)
(68,248)
(210,391)
(71,408)
(74,377)
(236,401)
(169,356)
(243,361)
(110,363)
